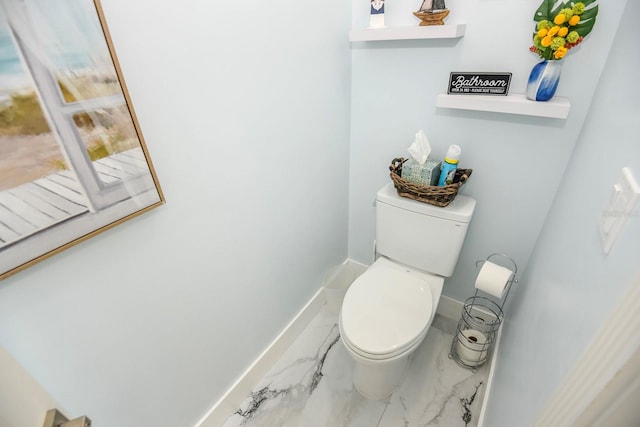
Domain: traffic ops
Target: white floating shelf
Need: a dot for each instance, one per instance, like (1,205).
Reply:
(516,103)
(408,33)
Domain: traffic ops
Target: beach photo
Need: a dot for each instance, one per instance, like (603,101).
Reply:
(73,161)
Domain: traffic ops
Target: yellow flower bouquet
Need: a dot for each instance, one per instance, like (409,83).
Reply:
(562,27)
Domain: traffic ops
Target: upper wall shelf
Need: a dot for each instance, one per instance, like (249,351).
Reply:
(408,33)
(515,103)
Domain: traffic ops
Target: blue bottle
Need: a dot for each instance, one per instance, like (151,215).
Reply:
(449,165)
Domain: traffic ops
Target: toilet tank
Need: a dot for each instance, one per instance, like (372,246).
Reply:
(422,236)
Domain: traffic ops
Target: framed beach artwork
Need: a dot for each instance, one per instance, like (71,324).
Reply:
(73,161)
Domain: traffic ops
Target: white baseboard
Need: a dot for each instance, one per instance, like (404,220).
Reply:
(239,391)
(452,309)
(339,280)
(492,371)
(449,308)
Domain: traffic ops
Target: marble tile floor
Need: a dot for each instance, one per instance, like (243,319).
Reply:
(311,386)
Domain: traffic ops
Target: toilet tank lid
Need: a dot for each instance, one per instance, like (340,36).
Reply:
(460,209)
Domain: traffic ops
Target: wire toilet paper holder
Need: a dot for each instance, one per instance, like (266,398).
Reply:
(512,280)
(479,323)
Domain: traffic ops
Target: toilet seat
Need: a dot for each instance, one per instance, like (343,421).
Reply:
(386,311)
(400,352)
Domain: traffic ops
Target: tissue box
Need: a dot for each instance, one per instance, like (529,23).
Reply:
(426,174)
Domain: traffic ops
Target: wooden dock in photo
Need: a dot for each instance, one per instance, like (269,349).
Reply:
(37,205)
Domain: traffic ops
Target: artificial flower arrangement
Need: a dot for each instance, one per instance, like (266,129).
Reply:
(562,27)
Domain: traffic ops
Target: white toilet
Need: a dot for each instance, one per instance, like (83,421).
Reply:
(387,311)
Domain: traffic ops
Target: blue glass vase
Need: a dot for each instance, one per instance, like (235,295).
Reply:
(543,80)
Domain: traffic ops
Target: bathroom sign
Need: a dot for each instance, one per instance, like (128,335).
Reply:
(479,83)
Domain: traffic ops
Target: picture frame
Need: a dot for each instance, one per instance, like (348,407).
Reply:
(73,160)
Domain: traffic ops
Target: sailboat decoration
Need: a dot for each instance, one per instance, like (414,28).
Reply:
(432,12)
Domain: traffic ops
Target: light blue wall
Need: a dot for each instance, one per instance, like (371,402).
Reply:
(245,109)
(166,311)
(570,286)
(518,161)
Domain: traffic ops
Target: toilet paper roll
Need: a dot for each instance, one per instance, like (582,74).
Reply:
(472,347)
(493,279)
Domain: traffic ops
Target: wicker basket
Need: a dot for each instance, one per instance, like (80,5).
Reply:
(434,195)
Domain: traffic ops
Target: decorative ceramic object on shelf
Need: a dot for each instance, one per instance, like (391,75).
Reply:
(432,12)
(561,25)
(543,80)
(377,14)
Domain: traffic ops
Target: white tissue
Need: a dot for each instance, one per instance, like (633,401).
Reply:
(493,279)
(420,149)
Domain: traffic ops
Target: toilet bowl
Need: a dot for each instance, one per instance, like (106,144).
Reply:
(387,311)
(385,316)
